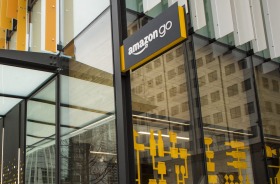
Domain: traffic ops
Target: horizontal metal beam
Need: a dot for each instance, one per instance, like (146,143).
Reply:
(31,60)
(12,96)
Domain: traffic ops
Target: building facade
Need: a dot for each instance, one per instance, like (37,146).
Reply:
(206,110)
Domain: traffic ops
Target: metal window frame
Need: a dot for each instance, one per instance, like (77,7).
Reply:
(124,126)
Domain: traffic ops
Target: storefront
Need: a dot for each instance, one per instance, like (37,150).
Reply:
(200,105)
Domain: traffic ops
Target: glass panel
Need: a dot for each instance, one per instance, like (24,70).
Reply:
(268,90)
(23,86)
(229,114)
(7,104)
(40,137)
(88,142)
(78,15)
(161,120)
(152,7)
(88,133)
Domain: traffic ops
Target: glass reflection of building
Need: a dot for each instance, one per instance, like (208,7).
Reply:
(205,111)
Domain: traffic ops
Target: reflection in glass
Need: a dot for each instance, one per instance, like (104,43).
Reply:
(40,137)
(88,138)
(161,120)
(229,116)
(78,15)
(268,79)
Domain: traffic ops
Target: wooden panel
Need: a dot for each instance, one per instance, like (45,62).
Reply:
(21,25)
(12,9)
(5,22)
(50,25)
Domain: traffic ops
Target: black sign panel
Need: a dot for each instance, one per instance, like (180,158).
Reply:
(159,35)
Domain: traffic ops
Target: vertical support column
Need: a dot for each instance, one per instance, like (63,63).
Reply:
(122,97)
(2,146)
(257,148)
(21,25)
(57,129)
(198,159)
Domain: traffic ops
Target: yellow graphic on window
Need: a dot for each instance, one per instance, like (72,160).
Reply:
(239,163)
(156,148)
(272,153)
(212,178)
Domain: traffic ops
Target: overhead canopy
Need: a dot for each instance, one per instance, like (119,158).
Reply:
(18,83)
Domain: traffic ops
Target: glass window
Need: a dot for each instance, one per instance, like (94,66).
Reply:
(171,74)
(181,69)
(199,62)
(149,67)
(88,150)
(232,90)
(209,58)
(218,117)
(172,91)
(265,82)
(270,112)
(183,87)
(160,97)
(185,106)
(40,136)
(227,129)
(249,108)
(158,80)
(78,15)
(246,85)
(201,81)
(230,69)
(235,112)
(242,64)
(213,76)
(268,106)
(275,85)
(157,63)
(161,130)
(215,96)
(277,108)
(206,119)
(204,100)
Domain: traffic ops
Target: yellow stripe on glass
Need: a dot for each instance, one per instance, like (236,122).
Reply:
(50,42)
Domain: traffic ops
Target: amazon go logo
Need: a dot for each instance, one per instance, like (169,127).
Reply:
(143,44)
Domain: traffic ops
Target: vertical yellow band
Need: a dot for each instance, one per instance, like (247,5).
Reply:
(50,26)
(182,22)
(122,58)
(21,25)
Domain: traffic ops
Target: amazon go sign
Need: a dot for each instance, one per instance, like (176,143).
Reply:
(159,35)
